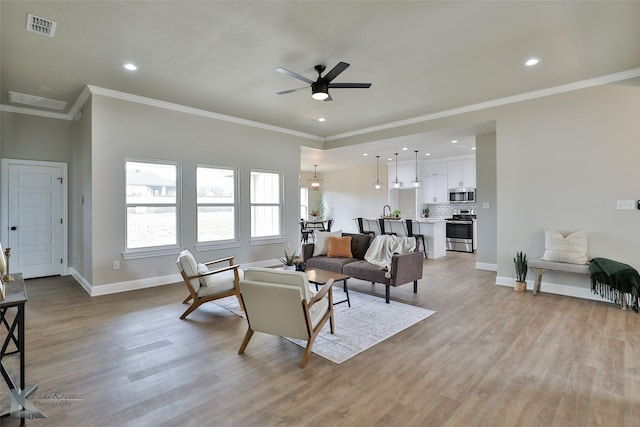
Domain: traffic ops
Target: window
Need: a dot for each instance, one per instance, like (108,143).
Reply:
(152,204)
(216,200)
(266,204)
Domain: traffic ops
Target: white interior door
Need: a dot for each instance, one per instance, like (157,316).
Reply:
(35,217)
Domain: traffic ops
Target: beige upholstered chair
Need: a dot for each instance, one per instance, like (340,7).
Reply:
(205,284)
(280,302)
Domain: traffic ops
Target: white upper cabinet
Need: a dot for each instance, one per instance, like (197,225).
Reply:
(435,189)
(435,183)
(462,173)
(406,173)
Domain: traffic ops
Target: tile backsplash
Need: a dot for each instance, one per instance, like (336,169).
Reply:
(446,210)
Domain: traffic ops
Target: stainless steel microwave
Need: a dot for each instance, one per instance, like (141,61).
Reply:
(462,195)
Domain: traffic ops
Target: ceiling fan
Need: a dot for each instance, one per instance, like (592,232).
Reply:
(320,88)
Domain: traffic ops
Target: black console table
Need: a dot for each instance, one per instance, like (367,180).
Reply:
(13,342)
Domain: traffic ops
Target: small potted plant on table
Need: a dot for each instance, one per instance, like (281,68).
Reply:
(290,261)
(520,261)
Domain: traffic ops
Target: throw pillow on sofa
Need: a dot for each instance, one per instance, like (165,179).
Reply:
(321,245)
(339,247)
(571,249)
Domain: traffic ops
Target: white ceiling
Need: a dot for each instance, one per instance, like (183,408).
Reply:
(422,57)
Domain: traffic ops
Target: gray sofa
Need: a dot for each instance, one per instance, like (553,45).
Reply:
(405,268)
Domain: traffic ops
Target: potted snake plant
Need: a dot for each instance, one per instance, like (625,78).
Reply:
(520,262)
(290,261)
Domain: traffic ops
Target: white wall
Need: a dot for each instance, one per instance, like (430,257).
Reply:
(122,129)
(562,161)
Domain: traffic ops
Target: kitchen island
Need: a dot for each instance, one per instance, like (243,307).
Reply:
(434,230)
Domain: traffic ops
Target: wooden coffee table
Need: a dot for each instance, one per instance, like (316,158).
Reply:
(320,277)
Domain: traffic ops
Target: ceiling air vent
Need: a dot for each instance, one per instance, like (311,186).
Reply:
(39,25)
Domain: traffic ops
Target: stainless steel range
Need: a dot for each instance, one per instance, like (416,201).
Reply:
(460,232)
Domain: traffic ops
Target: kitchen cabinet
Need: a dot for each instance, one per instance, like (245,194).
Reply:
(406,173)
(435,183)
(435,189)
(462,173)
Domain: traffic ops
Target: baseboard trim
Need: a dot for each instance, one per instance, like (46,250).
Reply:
(149,282)
(486,266)
(555,288)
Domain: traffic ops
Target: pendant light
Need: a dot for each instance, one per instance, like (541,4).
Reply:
(315,182)
(377,185)
(416,183)
(396,183)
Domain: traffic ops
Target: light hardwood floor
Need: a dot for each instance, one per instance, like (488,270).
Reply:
(488,357)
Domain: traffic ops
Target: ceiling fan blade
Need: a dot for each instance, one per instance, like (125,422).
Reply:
(284,92)
(294,75)
(350,85)
(340,67)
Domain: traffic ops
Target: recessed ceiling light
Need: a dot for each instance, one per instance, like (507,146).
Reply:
(321,119)
(427,154)
(532,61)
(390,159)
(131,67)
(365,154)
(473,148)
(404,148)
(454,141)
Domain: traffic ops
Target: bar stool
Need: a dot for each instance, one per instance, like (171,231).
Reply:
(383,227)
(411,227)
(361,230)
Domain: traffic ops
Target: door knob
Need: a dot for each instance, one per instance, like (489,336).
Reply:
(14,228)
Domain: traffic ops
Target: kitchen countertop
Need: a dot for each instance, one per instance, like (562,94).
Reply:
(427,220)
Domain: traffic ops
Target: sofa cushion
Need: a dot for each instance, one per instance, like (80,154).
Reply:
(321,245)
(366,271)
(339,247)
(359,244)
(330,264)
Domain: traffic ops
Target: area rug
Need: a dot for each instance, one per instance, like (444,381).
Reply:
(369,321)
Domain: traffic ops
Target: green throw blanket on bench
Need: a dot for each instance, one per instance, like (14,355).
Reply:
(614,280)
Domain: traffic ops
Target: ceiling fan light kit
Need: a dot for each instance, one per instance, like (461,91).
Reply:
(320,88)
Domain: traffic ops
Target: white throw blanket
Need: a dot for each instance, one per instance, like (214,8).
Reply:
(384,246)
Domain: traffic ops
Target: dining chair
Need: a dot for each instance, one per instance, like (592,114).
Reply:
(305,232)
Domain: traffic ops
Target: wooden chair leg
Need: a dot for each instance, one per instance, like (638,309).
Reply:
(195,305)
(246,339)
(186,300)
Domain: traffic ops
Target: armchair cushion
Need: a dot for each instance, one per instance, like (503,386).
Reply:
(221,281)
(339,247)
(187,263)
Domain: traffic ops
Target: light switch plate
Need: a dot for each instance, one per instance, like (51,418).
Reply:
(625,204)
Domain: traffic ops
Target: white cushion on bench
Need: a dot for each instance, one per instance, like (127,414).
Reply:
(571,248)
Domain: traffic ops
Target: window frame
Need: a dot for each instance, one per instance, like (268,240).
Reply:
(271,238)
(227,243)
(151,251)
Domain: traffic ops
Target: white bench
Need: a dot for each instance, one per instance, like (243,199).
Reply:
(539,266)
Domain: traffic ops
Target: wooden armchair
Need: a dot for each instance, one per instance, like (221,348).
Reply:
(280,302)
(204,284)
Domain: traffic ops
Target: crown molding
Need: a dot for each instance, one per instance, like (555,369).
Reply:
(89,90)
(197,112)
(583,84)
